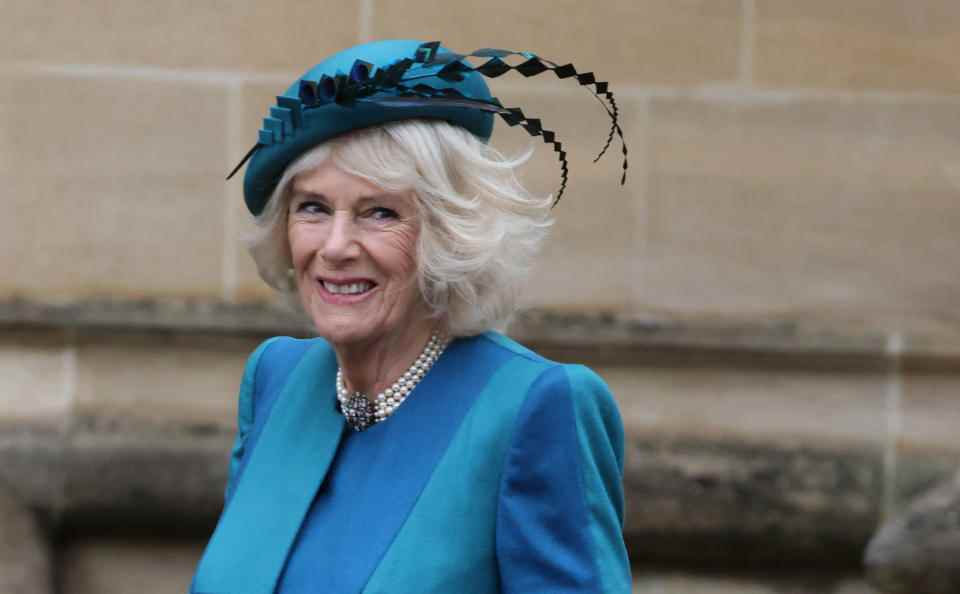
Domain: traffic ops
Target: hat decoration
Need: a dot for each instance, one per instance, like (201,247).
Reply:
(405,83)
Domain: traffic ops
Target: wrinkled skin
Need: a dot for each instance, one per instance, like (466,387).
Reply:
(345,230)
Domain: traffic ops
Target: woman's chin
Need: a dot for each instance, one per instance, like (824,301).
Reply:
(343,331)
(342,320)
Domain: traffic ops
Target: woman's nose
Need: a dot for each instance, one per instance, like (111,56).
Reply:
(341,242)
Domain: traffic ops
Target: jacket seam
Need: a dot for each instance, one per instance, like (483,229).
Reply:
(581,481)
(254,383)
(549,366)
(244,431)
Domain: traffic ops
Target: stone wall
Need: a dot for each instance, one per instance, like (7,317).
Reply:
(771,296)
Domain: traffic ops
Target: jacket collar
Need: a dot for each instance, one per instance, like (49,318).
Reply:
(249,547)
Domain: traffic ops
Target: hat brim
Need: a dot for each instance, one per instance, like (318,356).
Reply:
(323,123)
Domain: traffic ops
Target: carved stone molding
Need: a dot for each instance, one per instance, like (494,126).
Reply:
(25,564)
(918,552)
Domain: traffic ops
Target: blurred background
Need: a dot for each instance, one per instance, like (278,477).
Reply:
(772,296)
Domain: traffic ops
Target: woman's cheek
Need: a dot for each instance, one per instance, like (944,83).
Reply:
(404,244)
(302,242)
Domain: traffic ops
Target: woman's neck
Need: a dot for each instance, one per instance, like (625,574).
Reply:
(371,368)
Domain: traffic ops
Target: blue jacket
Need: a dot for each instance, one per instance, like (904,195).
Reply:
(501,473)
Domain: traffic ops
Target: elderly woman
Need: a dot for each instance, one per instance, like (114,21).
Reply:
(411,448)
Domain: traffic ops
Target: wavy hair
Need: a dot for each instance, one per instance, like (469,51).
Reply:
(480,228)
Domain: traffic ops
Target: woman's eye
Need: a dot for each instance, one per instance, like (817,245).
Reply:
(382,214)
(312,207)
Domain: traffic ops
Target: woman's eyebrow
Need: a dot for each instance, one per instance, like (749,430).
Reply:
(298,195)
(382,197)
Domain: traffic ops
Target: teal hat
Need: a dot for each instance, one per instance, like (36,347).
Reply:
(386,81)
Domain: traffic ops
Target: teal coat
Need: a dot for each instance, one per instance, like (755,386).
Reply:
(501,473)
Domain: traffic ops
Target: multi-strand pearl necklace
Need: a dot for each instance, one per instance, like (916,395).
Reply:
(361,413)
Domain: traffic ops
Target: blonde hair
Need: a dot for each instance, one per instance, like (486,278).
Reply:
(480,228)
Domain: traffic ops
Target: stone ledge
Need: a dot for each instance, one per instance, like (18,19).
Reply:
(119,481)
(610,335)
(688,501)
(718,501)
(140,315)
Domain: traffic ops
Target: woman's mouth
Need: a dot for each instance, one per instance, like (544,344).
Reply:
(345,292)
(348,288)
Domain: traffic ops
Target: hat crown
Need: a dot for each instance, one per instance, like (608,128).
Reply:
(295,125)
(382,54)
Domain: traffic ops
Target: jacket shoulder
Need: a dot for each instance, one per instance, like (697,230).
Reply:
(579,381)
(504,342)
(280,355)
(266,372)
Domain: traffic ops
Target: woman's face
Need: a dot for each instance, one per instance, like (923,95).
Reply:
(354,256)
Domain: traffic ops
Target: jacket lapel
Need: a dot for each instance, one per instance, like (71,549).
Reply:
(249,547)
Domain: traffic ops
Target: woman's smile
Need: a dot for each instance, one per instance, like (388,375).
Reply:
(345,291)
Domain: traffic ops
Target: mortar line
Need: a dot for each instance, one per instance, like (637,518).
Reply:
(727,92)
(641,210)
(893,407)
(747,42)
(69,379)
(148,73)
(70,391)
(234,125)
(365,16)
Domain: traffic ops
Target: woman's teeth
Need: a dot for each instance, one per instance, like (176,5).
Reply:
(348,289)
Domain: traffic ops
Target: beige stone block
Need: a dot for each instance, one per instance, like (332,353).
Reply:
(255,100)
(841,211)
(930,409)
(859,44)
(115,566)
(112,187)
(786,407)
(35,378)
(246,35)
(158,380)
(249,286)
(637,41)
(585,261)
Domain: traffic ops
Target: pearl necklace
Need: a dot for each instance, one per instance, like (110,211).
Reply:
(361,413)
